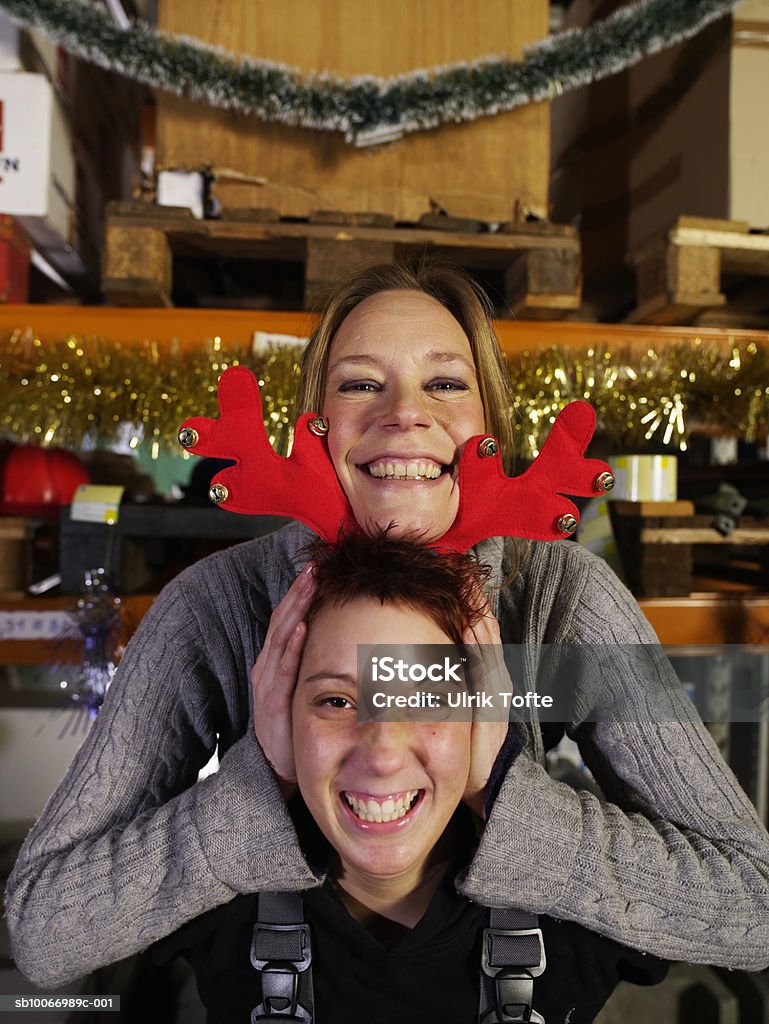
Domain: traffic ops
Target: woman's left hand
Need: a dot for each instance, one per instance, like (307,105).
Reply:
(489,727)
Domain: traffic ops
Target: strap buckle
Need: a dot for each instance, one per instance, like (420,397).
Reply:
(262,944)
(280,958)
(513,986)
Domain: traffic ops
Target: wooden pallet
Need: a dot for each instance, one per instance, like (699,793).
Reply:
(712,272)
(656,541)
(538,263)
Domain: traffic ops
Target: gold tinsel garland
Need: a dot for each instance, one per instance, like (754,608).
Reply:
(644,398)
(76,389)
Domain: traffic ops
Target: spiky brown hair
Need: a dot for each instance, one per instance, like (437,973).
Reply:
(444,586)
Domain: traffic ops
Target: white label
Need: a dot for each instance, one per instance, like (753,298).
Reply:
(181,188)
(262,340)
(34,625)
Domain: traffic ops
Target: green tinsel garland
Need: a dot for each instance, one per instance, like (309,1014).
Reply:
(367,109)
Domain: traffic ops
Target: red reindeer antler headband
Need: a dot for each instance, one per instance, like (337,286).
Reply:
(305,485)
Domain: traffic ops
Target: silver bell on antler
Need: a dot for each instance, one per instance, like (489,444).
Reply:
(568,523)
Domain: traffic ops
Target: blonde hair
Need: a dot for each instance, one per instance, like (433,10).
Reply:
(459,294)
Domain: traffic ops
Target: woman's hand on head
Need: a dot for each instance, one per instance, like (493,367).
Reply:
(490,726)
(273,679)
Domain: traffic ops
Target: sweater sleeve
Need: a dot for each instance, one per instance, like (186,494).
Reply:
(131,846)
(673,861)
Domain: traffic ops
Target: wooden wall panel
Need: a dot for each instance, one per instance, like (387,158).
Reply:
(481,169)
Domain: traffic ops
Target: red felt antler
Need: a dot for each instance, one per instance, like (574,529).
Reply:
(305,485)
(532,504)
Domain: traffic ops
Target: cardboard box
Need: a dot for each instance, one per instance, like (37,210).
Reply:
(77,129)
(37,167)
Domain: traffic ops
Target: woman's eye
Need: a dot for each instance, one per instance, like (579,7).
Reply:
(339,703)
(444,384)
(360,385)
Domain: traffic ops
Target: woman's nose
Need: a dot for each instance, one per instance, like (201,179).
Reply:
(385,746)
(405,407)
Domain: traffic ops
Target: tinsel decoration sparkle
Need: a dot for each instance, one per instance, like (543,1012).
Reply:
(62,393)
(77,390)
(644,399)
(367,109)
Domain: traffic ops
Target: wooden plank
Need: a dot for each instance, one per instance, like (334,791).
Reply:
(661,311)
(731,317)
(444,222)
(695,237)
(250,214)
(224,229)
(750,33)
(651,274)
(716,224)
(676,284)
(363,220)
(522,337)
(233,193)
(694,275)
(538,227)
(652,508)
(703,535)
(656,571)
(144,211)
(137,263)
(544,282)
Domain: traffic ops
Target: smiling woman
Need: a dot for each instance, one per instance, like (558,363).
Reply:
(401,398)
(669,858)
(382,809)
(397,287)
(381,792)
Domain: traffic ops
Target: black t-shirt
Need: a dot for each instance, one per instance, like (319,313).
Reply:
(431,974)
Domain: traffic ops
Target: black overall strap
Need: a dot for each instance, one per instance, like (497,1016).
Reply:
(513,954)
(282,953)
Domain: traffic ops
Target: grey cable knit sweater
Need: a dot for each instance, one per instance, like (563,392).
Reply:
(131,846)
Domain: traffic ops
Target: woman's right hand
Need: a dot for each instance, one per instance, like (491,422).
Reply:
(273,679)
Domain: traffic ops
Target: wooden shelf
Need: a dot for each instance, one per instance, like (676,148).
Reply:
(728,618)
(190,327)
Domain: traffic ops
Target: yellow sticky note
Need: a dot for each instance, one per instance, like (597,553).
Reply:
(96,503)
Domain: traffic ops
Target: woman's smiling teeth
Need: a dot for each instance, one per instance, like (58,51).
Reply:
(395,469)
(391,808)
